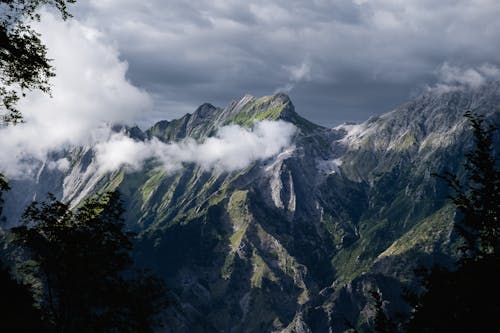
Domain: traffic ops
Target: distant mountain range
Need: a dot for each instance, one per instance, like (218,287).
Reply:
(296,242)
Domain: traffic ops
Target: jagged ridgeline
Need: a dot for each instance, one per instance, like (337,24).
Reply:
(296,242)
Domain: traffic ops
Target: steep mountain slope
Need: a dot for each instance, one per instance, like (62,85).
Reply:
(293,243)
(408,220)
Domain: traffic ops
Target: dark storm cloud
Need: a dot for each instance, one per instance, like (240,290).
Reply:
(339,60)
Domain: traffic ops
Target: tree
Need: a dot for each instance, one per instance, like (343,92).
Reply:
(83,262)
(23,57)
(17,313)
(468,299)
(464,300)
(381,322)
(4,186)
(479,200)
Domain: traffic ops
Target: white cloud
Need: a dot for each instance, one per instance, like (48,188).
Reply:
(454,77)
(296,74)
(62,164)
(300,73)
(490,71)
(232,148)
(89,91)
(365,55)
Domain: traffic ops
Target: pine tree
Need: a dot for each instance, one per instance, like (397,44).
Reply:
(479,200)
(468,298)
(381,322)
(4,186)
(17,311)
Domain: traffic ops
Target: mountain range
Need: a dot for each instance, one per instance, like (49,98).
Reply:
(295,242)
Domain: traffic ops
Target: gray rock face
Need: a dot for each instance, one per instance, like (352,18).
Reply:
(293,243)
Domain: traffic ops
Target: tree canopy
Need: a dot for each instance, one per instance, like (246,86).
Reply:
(4,186)
(23,57)
(478,200)
(468,299)
(82,260)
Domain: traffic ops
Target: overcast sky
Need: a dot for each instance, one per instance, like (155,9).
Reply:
(136,62)
(339,60)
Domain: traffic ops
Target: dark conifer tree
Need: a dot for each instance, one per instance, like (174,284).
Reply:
(83,262)
(468,298)
(17,310)
(381,322)
(478,200)
(4,186)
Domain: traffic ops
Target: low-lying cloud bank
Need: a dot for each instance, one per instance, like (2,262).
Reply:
(232,148)
(90,92)
(452,77)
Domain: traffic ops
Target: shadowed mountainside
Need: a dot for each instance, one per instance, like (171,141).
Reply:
(294,243)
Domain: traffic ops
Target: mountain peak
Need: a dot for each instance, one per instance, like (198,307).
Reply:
(205,110)
(250,109)
(207,118)
(273,107)
(281,96)
(288,112)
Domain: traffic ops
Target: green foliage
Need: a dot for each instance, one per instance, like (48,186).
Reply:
(467,299)
(405,142)
(249,117)
(23,57)
(4,186)
(260,271)
(240,218)
(17,311)
(357,258)
(425,235)
(479,199)
(382,323)
(84,265)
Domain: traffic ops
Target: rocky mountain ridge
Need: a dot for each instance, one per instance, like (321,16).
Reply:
(293,243)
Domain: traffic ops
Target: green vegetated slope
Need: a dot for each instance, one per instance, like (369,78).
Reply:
(287,245)
(295,243)
(218,232)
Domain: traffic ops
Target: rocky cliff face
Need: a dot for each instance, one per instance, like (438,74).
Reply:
(296,242)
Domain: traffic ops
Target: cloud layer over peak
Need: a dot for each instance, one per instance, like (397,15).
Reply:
(361,57)
(232,148)
(90,91)
(454,77)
